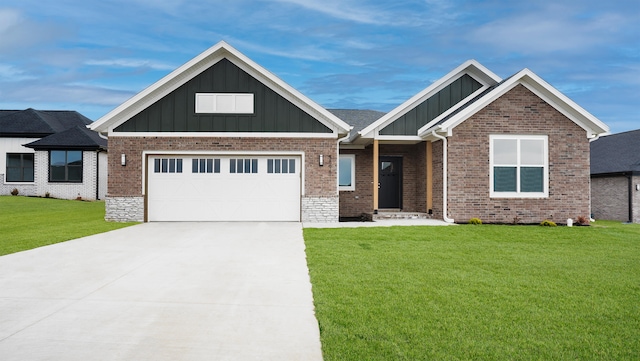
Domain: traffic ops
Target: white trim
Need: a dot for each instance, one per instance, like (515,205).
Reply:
(195,66)
(592,125)
(351,187)
(224,135)
(518,165)
(300,154)
(471,67)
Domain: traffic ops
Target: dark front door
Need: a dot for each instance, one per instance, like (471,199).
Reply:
(390,178)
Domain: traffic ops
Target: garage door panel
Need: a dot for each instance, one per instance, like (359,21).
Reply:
(225,196)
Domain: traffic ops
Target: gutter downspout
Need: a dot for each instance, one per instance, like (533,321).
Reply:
(98,175)
(444,177)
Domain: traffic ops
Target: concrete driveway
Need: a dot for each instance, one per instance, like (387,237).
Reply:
(162,291)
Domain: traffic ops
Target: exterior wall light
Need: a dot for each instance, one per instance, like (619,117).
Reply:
(321,160)
(123,159)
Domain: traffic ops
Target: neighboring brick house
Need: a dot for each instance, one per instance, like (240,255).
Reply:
(221,138)
(615,177)
(474,145)
(51,153)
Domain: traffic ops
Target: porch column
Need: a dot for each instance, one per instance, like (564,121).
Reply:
(429,168)
(375,175)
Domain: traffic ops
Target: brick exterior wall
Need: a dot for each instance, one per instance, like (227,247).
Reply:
(319,181)
(354,203)
(519,111)
(610,198)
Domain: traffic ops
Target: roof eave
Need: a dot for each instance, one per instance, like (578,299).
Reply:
(592,125)
(472,67)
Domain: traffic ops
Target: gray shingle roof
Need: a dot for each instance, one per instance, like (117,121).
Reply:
(38,123)
(78,137)
(616,153)
(359,119)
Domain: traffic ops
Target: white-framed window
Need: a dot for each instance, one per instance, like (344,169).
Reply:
(519,166)
(275,165)
(243,166)
(167,165)
(347,172)
(205,165)
(224,103)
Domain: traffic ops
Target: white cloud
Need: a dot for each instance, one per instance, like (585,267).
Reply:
(19,32)
(131,63)
(11,73)
(548,30)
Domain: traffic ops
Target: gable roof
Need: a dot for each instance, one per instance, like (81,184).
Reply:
(445,124)
(471,67)
(616,153)
(78,137)
(33,123)
(197,65)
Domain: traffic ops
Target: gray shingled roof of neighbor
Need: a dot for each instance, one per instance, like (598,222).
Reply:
(33,123)
(357,118)
(616,153)
(78,137)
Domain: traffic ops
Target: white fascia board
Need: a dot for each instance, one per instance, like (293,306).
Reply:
(471,67)
(224,135)
(197,65)
(592,125)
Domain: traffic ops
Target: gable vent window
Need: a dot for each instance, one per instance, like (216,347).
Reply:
(205,165)
(281,166)
(224,103)
(243,166)
(167,165)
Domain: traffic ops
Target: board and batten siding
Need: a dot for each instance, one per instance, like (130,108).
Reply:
(431,108)
(176,111)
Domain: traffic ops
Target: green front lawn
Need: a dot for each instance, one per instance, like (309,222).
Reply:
(477,292)
(27,223)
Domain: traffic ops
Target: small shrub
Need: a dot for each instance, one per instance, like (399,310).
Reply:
(475,221)
(548,223)
(14,192)
(582,221)
(47,195)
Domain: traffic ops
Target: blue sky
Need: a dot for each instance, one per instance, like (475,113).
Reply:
(91,56)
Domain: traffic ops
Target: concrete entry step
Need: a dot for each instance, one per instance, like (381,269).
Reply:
(398,214)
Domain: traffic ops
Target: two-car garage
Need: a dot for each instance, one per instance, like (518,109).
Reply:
(240,187)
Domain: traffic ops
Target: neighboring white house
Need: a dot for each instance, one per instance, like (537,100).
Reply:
(51,153)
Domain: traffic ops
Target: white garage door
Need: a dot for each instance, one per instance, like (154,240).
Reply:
(230,188)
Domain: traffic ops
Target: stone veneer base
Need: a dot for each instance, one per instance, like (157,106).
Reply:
(124,209)
(320,209)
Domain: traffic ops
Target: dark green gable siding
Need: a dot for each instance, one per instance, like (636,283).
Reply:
(176,111)
(431,108)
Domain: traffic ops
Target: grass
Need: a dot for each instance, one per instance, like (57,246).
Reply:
(477,292)
(27,223)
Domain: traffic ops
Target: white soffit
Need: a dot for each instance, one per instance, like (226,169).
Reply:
(476,70)
(197,65)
